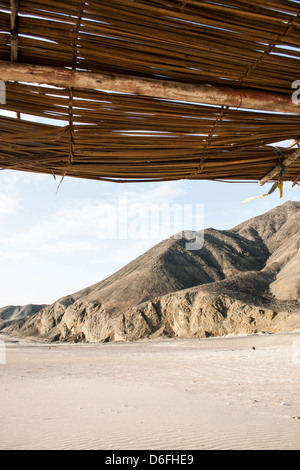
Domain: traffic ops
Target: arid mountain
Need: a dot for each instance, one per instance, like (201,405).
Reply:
(15,312)
(242,280)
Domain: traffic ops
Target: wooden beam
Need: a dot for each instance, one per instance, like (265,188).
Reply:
(14,40)
(165,89)
(286,162)
(14,30)
(295,181)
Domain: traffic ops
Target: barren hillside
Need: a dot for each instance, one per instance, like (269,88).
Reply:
(243,280)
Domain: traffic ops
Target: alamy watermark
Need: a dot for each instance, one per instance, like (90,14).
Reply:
(296,353)
(2,92)
(137,221)
(296,94)
(2,352)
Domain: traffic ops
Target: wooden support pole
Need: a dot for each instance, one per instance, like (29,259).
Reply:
(14,40)
(295,181)
(165,89)
(286,162)
(14,30)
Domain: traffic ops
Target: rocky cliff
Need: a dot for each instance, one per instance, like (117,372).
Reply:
(243,280)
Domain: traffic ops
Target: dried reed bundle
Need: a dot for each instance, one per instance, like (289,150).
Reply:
(98,135)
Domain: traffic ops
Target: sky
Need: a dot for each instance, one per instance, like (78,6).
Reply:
(57,238)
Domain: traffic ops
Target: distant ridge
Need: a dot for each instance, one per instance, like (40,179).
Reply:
(243,280)
(15,312)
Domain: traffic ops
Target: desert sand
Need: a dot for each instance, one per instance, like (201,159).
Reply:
(214,393)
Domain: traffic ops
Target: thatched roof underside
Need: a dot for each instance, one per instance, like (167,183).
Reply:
(100,135)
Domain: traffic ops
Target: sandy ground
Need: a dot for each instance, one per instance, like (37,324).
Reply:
(215,393)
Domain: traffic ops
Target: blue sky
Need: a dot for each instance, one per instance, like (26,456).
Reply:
(53,241)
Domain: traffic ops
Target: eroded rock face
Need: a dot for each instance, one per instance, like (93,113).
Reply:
(244,280)
(203,315)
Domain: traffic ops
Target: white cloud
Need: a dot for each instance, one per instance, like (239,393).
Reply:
(67,247)
(11,179)
(68,225)
(165,192)
(8,204)
(13,256)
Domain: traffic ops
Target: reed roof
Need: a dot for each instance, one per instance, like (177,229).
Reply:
(127,137)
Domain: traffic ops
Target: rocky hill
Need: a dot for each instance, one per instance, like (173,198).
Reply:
(15,312)
(243,280)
